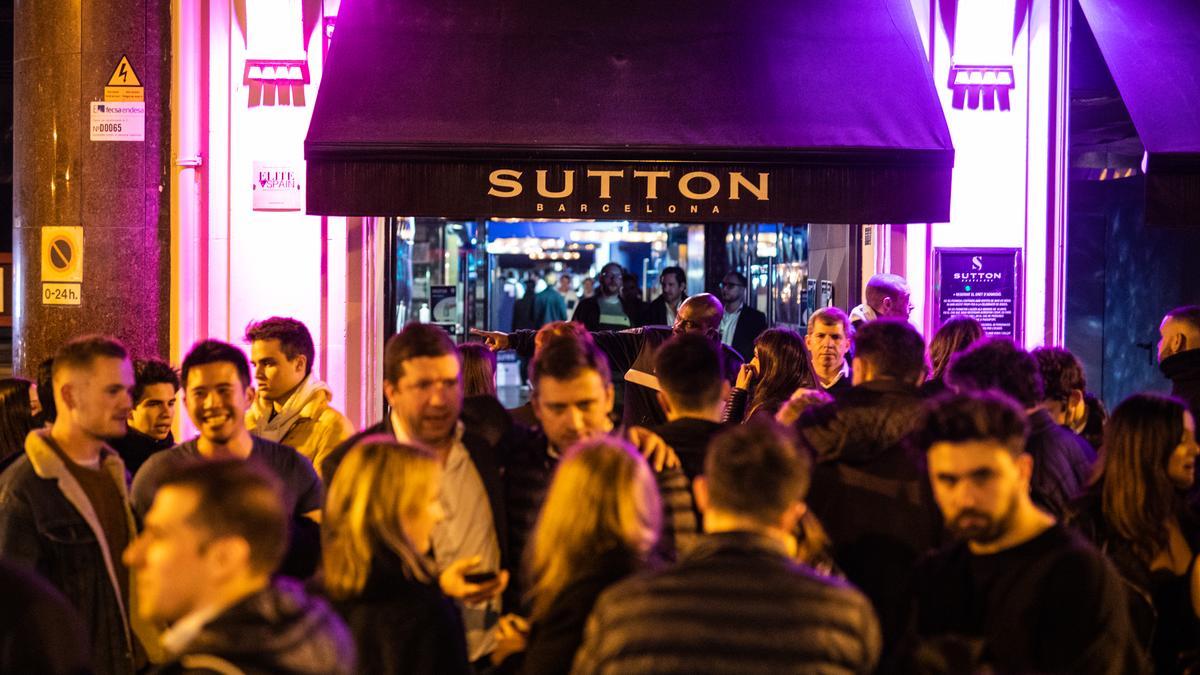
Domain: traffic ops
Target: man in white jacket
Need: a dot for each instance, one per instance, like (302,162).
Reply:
(292,407)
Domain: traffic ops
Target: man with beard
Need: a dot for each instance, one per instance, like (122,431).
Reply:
(217,394)
(608,308)
(1179,353)
(63,506)
(1018,593)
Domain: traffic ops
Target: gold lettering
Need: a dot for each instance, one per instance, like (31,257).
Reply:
(714,185)
(505,178)
(605,181)
(568,185)
(649,208)
(737,180)
(716,209)
(694,208)
(562,208)
(604,208)
(671,209)
(627,207)
(583,208)
(651,181)
(541,206)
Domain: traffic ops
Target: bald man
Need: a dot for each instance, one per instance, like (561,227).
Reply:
(886,295)
(1179,353)
(631,353)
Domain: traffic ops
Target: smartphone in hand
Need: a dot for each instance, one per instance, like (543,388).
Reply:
(480,577)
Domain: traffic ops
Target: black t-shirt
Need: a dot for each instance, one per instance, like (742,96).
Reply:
(302,490)
(1051,604)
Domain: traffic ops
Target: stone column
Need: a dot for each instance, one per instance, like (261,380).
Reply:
(65,52)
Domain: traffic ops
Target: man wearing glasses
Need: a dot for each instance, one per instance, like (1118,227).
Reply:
(887,295)
(741,324)
(607,309)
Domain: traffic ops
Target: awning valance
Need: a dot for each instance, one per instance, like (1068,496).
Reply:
(1152,48)
(700,110)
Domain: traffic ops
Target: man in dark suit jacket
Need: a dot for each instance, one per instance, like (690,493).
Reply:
(741,324)
(661,311)
(423,386)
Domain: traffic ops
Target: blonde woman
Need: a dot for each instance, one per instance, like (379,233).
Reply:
(381,509)
(600,520)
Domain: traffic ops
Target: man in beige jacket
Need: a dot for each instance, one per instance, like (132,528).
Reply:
(292,407)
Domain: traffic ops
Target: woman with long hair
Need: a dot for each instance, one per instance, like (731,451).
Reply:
(1136,512)
(600,520)
(954,336)
(380,512)
(780,366)
(18,408)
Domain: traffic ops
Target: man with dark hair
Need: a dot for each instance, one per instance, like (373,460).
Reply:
(573,399)
(422,382)
(1062,461)
(828,342)
(661,310)
(1066,396)
(738,602)
(631,354)
(608,308)
(64,510)
(691,373)
(870,490)
(45,387)
(1179,354)
(214,534)
(154,392)
(292,406)
(741,324)
(1020,591)
(217,392)
(886,295)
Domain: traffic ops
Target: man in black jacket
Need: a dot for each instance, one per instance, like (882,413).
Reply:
(1019,593)
(739,602)
(869,489)
(1179,354)
(741,324)
(631,354)
(423,386)
(661,311)
(214,534)
(691,371)
(154,396)
(1061,459)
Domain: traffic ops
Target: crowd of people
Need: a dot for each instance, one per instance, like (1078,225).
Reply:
(849,500)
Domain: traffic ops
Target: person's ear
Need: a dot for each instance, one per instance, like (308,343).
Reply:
(792,515)
(301,364)
(68,395)
(1024,463)
(227,556)
(609,398)
(251,395)
(391,393)
(700,492)
(726,389)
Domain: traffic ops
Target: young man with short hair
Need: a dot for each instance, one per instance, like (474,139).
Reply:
(661,310)
(828,342)
(422,382)
(573,399)
(691,373)
(292,406)
(1062,461)
(217,392)
(64,510)
(1179,354)
(738,602)
(608,308)
(1018,590)
(155,389)
(214,535)
(1065,387)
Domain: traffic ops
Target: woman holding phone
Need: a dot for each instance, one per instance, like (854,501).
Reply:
(380,513)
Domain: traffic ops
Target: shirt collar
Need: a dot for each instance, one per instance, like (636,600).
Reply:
(181,633)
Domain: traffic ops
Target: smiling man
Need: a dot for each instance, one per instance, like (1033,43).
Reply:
(63,507)
(217,392)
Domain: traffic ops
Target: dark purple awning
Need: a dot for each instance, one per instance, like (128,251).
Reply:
(689,110)
(1152,48)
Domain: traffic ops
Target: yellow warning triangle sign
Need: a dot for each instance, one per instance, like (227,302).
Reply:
(123,75)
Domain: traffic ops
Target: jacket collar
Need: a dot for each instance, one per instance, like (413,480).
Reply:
(738,541)
(1182,366)
(891,387)
(48,465)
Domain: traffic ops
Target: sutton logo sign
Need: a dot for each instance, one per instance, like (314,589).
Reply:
(628,191)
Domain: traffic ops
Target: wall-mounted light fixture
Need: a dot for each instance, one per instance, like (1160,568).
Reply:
(984,87)
(275,52)
(981,71)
